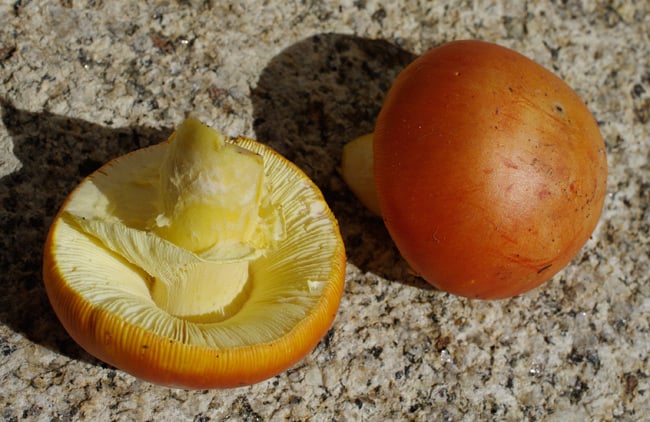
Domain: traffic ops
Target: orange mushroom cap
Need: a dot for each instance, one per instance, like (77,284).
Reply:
(106,304)
(490,171)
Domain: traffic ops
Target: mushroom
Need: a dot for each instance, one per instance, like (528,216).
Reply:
(489,171)
(199,262)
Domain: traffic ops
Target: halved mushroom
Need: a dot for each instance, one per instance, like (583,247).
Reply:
(199,262)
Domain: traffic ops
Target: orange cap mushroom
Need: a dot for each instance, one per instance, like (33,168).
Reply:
(199,262)
(490,172)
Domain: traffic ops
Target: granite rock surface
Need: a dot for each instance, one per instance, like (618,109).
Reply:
(82,82)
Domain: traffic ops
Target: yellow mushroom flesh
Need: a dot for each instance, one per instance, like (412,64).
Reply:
(196,249)
(210,190)
(210,193)
(190,226)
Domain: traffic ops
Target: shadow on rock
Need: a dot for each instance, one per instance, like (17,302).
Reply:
(310,100)
(56,152)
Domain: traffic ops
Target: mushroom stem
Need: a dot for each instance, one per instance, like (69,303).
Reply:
(210,190)
(210,196)
(357,171)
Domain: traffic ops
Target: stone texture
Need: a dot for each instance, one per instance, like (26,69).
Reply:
(83,82)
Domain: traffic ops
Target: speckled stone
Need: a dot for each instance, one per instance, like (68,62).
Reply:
(83,82)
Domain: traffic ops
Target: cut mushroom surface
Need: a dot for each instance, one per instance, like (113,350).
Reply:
(231,314)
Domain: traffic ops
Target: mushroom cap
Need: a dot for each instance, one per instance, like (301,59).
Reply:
(489,169)
(105,302)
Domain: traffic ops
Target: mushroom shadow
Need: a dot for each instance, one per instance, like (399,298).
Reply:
(56,153)
(311,99)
